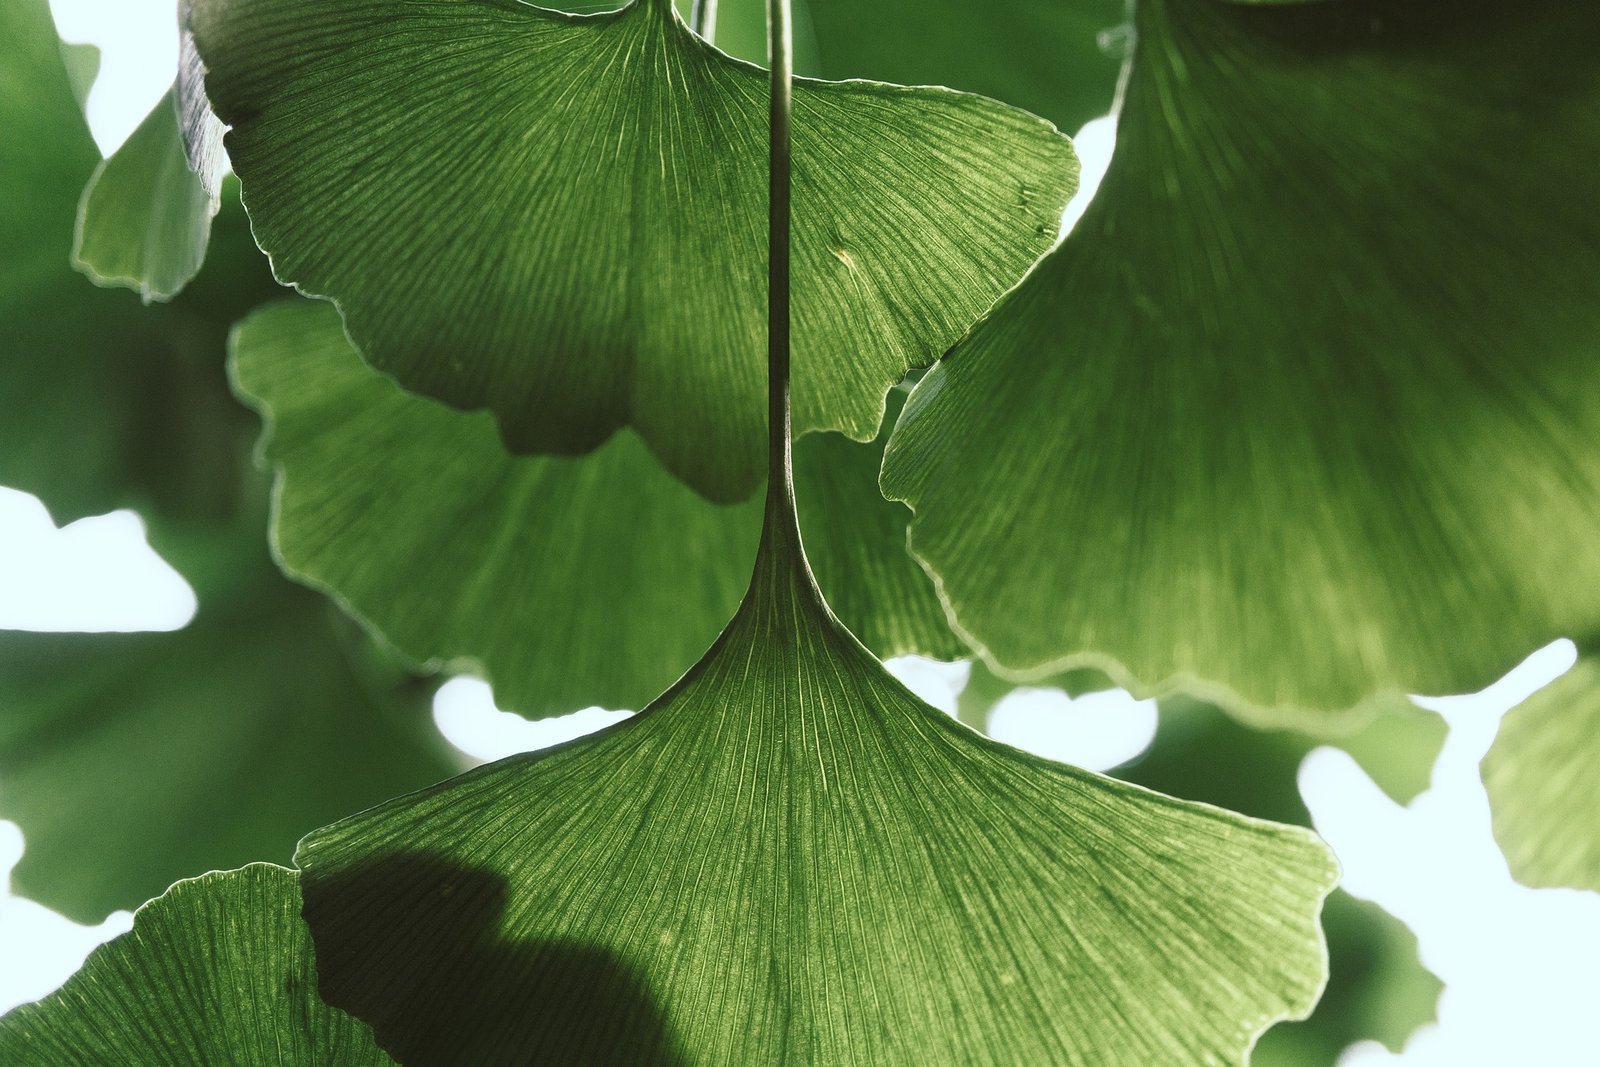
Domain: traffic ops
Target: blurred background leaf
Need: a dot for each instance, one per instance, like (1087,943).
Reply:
(1541,776)
(131,760)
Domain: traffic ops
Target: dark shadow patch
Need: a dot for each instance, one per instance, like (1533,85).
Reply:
(411,944)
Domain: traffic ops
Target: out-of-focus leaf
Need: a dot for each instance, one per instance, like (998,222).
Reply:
(1307,405)
(218,970)
(145,220)
(833,872)
(603,261)
(568,582)
(1377,988)
(130,760)
(1058,60)
(105,404)
(1202,753)
(1541,779)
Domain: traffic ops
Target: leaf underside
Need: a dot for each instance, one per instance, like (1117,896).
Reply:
(1306,406)
(1540,776)
(219,970)
(568,582)
(789,857)
(603,260)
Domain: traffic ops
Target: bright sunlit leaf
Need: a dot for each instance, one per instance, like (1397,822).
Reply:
(217,971)
(1306,405)
(789,851)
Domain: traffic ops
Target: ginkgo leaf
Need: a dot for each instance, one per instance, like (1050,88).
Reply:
(1306,405)
(145,220)
(130,760)
(1202,753)
(569,582)
(789,857)
(1540,776)
(1058,60)
(602,260)
(106,404)
(1378,989)
(218,970)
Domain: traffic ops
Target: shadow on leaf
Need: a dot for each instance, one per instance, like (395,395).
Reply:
(478,998)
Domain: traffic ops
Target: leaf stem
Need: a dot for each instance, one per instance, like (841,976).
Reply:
(703,20)
(780,470)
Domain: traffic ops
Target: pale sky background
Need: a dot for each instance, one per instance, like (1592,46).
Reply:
(1521,966)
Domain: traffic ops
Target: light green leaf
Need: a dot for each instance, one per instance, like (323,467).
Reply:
(568,582)
(1203,753)
(106,404)
(145,219)
(602,259)
(130,760)
(1377,988)
(1540,776)
(832,872)
(219,970)
(1306,407)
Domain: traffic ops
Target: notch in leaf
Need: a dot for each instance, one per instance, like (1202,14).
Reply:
(601,260)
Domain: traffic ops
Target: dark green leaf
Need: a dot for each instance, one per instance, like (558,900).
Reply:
(1306,406)
(601,262)
(568,582)
(218,971)
(832,872)
(1377,990)
(1060,60)
(1540,776)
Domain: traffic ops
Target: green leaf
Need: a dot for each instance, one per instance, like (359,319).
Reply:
(601,262)
(1306,406)
(568,582)
(1058,60)
(145,220)
(1202,753)
(1540,776)
(1377,988)
(130,760)
(856,544)
(107,404)
(218,970)
(832,872)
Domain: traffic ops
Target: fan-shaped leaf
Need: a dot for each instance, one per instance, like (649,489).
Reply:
(567,581)
(218,970)
(602,262)
(1307,404)
(832,872)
